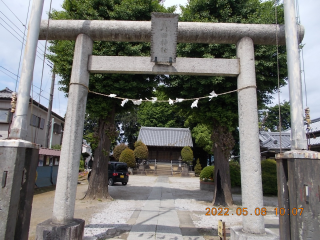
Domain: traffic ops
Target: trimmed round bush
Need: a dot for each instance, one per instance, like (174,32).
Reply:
(269,177)
(235,175)
(197,168)
(187,155)
(207,173)
(118,150)
(127,156)
(141,150)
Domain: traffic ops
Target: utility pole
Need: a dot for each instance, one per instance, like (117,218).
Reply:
(19,157)
(50,109)
(298,169)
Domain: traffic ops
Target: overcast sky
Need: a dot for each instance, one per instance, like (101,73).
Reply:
(13,15)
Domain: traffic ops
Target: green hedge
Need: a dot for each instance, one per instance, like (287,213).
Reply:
(269,177)
(207,174)
(235,175)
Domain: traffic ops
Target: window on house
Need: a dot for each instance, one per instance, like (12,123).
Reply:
(37,121)
(57,128)
(5,115)
(41,124)
(34,121)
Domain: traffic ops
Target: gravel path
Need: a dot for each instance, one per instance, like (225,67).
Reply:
(114,219)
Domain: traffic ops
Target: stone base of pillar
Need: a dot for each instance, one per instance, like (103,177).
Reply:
(73,230)
(236,233)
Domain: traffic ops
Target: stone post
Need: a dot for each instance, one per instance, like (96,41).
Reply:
(65,196)
(251,183)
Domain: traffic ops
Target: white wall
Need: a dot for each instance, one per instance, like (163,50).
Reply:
(35,135)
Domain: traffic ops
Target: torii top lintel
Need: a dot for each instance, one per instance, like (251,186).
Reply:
(188,32)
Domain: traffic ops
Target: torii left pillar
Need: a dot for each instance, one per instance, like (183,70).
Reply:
(63,225)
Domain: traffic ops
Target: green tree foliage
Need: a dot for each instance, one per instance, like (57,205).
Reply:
(118,150)
(140,150)
(235,174)
(202,137)
(129,86)
(197,168)
(159,114)
(187,154)
(270,117)
(128,126)
(207,174)
(269,177)
(221,113)
(127,156)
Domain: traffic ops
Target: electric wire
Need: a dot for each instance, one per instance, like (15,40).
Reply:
(48,62)
(44,58)
(17,76)
(278,75)
(24,35)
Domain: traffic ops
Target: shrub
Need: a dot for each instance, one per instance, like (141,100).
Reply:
(207,173)
(141,150)
(235,175)
(81,165)
(56,147)
(187,155)
(197,168)
(269,176)
(118,150)
(127,156)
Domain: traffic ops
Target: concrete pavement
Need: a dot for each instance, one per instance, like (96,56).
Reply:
(159,219)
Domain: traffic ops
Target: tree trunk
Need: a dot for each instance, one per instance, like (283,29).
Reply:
(98,183)
(223,143)
(222,183)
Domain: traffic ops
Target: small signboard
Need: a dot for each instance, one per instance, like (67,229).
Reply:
(222,230)
(164,30)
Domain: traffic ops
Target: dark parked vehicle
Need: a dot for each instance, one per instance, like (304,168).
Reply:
(117,172)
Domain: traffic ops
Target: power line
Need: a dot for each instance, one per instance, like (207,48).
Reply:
(17,28)
(16,76)
(32,85)
(48,62)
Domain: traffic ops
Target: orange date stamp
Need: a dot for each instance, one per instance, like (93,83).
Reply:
(239,211)
(257,211)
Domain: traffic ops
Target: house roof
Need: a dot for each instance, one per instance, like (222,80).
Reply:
(6,94)
(271,140)
(158,136)
(49,152)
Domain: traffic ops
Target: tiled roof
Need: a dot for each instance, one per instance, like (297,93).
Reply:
(315,125)
(49,152)
(5,93)
(271,140)
(157,136)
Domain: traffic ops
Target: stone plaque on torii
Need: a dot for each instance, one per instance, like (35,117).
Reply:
(164,30)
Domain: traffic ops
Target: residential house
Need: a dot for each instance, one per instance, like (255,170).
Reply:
(37,113)
(270,142)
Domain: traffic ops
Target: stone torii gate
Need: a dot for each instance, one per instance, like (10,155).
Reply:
(85,32)
(62,224)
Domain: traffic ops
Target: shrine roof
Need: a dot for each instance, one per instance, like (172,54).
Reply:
(165,137)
